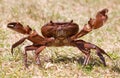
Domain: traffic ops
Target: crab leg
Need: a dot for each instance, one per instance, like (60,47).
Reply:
(87,56)
(38,50)
(85,47)
(17,44)
(28,48)
(80,46)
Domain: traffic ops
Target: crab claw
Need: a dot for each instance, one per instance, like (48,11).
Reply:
(96,23)
(100,19)
(16,26)
(104,11)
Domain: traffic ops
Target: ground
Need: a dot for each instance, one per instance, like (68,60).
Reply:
(59,62)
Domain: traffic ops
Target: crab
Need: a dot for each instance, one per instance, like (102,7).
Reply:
(61,34)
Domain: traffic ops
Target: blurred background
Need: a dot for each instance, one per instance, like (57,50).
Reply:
(59,62)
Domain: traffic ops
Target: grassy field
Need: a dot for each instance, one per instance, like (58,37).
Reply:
(59,62)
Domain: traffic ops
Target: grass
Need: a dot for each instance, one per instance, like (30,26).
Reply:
(59,62)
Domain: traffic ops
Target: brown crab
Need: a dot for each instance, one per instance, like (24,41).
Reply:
(61,34)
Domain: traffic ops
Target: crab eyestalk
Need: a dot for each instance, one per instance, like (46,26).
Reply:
(16,26)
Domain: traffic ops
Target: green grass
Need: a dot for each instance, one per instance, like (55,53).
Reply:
(59,62)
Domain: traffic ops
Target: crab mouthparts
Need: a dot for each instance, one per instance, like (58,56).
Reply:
(61,34)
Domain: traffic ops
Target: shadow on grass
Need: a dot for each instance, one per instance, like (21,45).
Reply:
(88,68)
(80,60)
(67,59)
(116,69)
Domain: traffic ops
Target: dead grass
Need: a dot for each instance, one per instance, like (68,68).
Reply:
(65,62)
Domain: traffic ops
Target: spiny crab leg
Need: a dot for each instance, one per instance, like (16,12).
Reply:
(96,23)
(85,47)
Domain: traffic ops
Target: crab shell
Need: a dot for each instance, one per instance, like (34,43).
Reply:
(60,30)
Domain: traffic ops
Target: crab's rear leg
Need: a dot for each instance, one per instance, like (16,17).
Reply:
(98,51)
(28,48)
(85,47)
(87,57)
(80,45)
(37,52)
(37,49)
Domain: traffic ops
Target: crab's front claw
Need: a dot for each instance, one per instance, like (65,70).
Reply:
(16,26)
(100,19)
